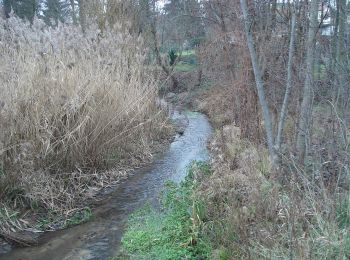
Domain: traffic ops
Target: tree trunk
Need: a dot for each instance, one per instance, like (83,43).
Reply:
(333,50)
(7,8)
(284,108)
(305,112)
(274,14)
(74,16)
(82,14)
(259,83)
(340,60)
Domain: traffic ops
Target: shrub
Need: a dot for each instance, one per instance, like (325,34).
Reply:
(172,57)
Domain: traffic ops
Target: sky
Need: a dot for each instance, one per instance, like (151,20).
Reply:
(161,3)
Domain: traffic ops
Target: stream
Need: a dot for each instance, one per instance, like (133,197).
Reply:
(100,238)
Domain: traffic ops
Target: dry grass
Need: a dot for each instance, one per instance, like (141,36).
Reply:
(226,64)
(252,212)
(253,215)
(223,104)
(70,106)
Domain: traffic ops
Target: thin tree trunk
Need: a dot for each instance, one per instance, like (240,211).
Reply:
(74,16)
(284,108)
(226,46)
(7,8)
(274,14)
(333,50)
(305,112)
(259,83)
(340,59)
(82,14)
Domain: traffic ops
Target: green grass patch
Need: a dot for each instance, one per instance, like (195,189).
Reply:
(185,67)
(320,71)
(172,232)
(79,217)
(7,214)
(187,52)
(343,211)
(187,61)
(57,220)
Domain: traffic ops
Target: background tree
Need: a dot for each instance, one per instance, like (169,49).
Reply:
(25,9)
(7,8)
(305,110)
(55,11)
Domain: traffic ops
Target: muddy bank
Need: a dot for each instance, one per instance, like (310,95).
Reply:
(100,238)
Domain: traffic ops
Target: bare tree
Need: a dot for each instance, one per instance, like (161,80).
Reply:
(305,110)
(82,14)
(74,15)
(259,83)
(7,8)
(284,108)
(341,55)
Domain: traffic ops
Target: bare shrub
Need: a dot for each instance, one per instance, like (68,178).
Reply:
(70,105)
(225,62)
(222,104)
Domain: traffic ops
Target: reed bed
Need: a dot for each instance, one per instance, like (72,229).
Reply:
(72,105)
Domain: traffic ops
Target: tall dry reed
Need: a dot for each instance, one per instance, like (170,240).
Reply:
(70,105)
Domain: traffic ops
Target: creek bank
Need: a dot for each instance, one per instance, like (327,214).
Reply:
(32,226)
(180,228)
(101,236)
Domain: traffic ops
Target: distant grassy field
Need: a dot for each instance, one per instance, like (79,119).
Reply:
(185,67)
(187,52)
(187,61)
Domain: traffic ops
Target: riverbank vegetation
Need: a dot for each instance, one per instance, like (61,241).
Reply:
(280,187)
(274,83)
(251,213)
(78,111)
(172,230)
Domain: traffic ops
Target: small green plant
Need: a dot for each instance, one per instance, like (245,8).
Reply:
(172,57)
(202,167)
(7,214)
(343,212)
(48,219)
(55,219)
(79,217)
(222,254)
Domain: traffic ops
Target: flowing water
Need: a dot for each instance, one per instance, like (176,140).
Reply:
(100,237)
